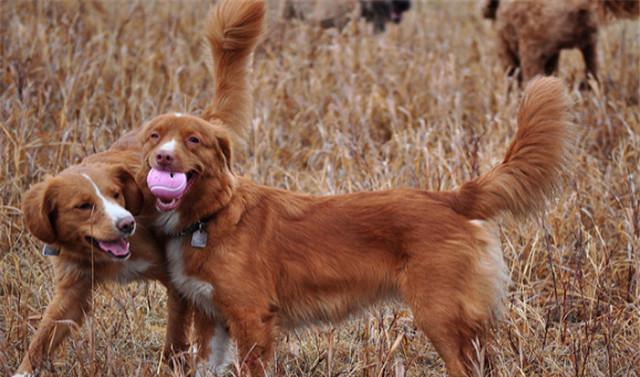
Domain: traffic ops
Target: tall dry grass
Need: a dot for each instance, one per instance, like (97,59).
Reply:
(423,105)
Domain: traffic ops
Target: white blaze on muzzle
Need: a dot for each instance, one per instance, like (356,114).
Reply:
(114,210)
(169,146)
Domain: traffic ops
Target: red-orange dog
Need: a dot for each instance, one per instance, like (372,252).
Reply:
(85,214)
(532,33)
(258,260)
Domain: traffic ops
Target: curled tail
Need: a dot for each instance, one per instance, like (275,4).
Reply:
(535,163)
(233,30)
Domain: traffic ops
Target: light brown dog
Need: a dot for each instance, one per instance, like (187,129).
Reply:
(257,260)
(532,33)
(85,215)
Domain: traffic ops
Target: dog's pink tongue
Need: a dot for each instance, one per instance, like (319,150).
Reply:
(118,248)
(166,185)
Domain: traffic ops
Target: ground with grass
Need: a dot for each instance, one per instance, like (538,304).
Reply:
(425,105)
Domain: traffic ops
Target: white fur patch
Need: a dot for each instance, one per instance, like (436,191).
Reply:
(168,222)
(220,351)
(23,375)
(112,209)
(178,115)
(493,265)
(132,270)
(169,146)
(221,354)
(198,291)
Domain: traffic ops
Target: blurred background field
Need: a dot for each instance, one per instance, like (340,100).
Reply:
(425,104)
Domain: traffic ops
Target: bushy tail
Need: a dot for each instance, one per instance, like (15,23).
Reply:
(535,163)
(233,30)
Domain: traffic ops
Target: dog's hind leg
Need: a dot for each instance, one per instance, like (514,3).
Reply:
(532,66)
(455,294)
(590,56)
(434,298)
(551,65)
(440,319)
(508,57)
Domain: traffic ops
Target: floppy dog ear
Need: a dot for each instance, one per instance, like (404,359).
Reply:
(225,147)
(133,196)
(39,210)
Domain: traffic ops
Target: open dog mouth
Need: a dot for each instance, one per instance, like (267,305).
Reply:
(118,248)
(169,187)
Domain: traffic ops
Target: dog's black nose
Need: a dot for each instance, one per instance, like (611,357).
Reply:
(164,157)
(126,225)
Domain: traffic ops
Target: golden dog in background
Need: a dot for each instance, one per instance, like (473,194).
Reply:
(532,33)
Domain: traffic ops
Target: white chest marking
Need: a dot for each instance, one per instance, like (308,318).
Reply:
(132,270)
(178,115)
(220,351)
(197,291)
(112,209)
(169,146)
(168,221)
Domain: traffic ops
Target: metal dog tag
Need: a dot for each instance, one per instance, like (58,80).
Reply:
(50,251)
(199,239)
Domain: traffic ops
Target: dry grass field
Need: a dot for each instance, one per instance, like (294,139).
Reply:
(425,104)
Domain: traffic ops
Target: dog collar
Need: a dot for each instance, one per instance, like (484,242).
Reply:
(50,250)
(198,231)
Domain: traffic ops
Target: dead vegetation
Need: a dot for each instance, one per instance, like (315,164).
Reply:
(425,104)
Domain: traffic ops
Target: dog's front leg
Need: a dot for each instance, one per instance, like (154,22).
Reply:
(179,319)
(70,303)
(212,338)
(253,331)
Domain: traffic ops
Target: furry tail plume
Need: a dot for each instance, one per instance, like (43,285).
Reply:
(233,30)
(535,163)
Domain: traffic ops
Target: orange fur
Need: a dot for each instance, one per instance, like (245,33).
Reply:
(276,260)
(232,33)
(532,33)
(53,214)
(534,163)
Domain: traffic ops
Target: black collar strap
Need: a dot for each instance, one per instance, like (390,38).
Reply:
(193,227)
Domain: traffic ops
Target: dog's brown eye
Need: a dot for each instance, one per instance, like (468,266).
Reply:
(193,140)
(116,195)
(84,206)
(154,136)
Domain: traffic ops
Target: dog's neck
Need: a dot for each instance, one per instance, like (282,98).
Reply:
(214,200)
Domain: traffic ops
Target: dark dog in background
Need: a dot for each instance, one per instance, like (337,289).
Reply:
(531,33)
(331,13)
(380,12)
